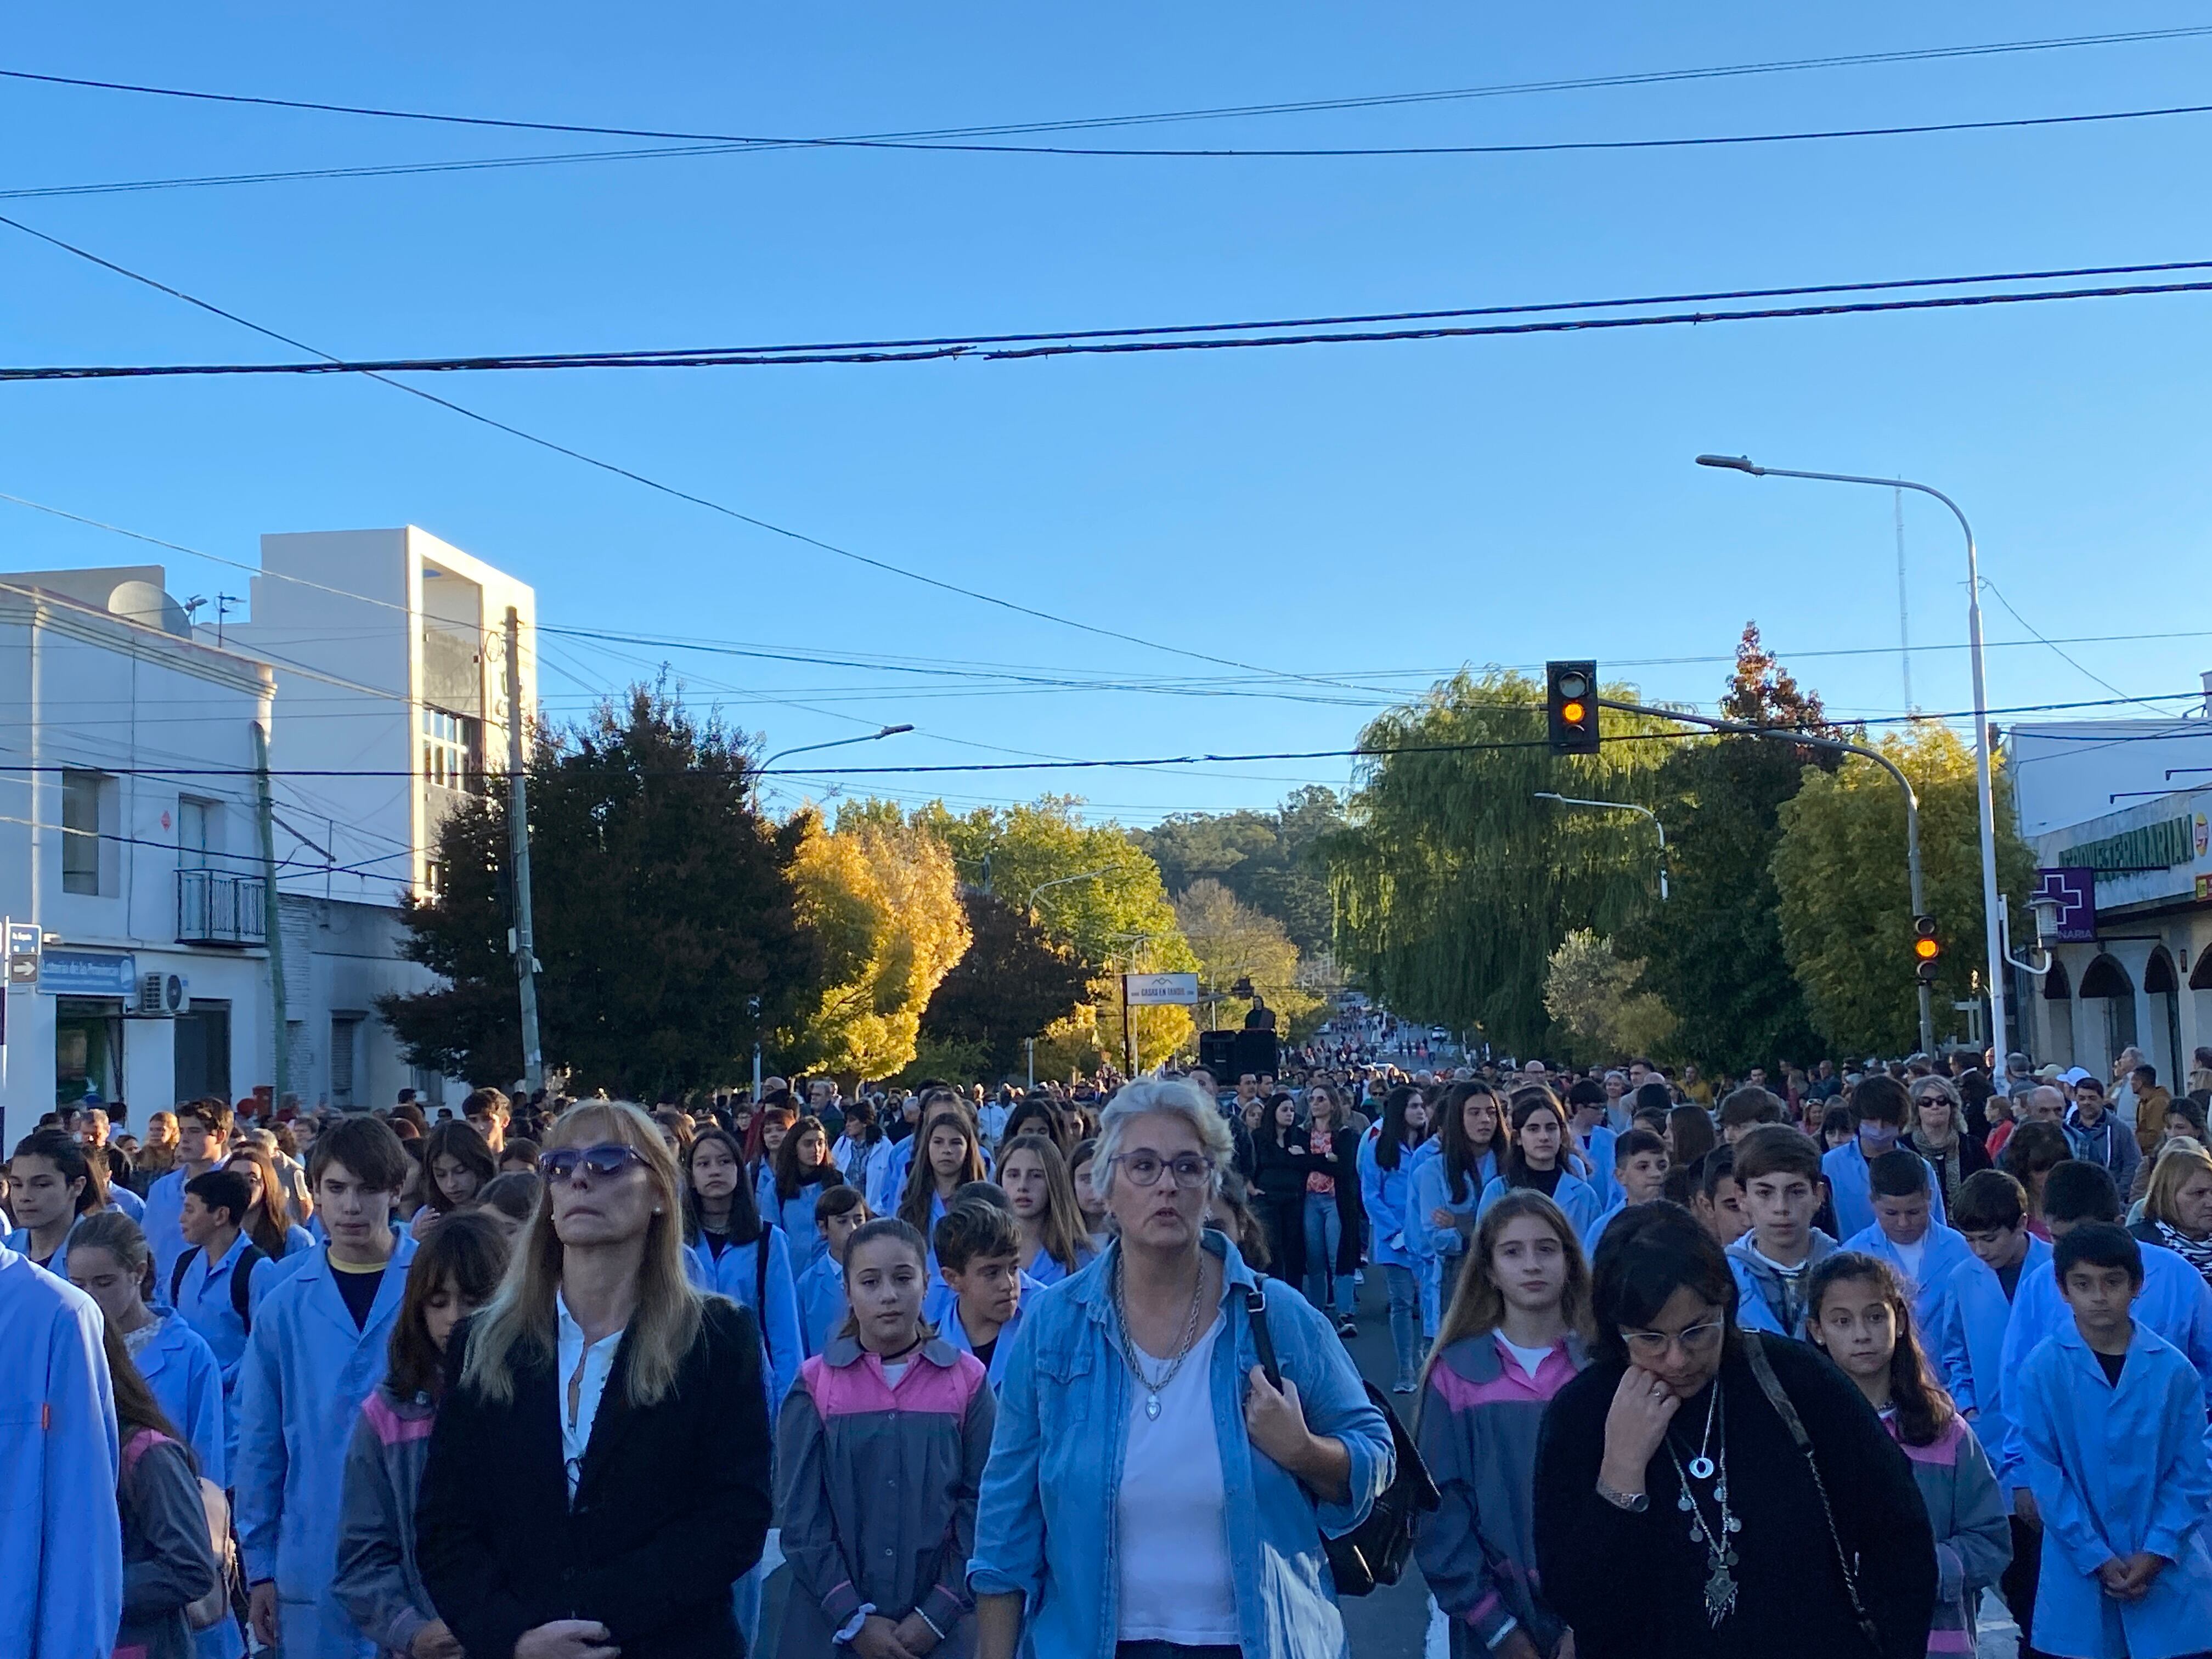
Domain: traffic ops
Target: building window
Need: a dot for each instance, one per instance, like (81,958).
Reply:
(198,832)
(81,793)
(345,1043)
(452,749)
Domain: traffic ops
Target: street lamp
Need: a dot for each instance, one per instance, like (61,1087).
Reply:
(1622,806)
(1992,917)
(1058,881)
(833,742)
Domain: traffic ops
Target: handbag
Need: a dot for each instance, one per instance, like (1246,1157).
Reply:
(1376,1550)
(1770,1386)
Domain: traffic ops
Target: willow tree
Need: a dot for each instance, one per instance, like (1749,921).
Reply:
(1453,884)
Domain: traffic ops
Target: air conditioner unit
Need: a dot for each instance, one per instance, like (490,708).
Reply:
(163,995)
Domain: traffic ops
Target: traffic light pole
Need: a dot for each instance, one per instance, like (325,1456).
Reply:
(1739,728)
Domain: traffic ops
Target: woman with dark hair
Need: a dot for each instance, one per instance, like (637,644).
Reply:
(803,1168)
(1536,1158)
(1835,1127)
(1455,1167)
(1690,1135)
(1683,1480)
(2034,1150)
(457,1164)
(1035,1116)
(377,1582)
(1332,1206)
(1386,1180)
(269,1221)
(168,1556)
(731,1251)
(1279,1183)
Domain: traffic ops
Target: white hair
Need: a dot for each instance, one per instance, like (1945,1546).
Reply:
(1168,1097)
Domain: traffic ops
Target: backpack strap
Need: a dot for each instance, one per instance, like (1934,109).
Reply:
(760,1291)
(241,1286)
(177,1273)
(137,1446)
(1255,1310)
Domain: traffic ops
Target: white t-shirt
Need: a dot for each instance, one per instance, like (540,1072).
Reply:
(1909,1256)
(1173,1539)
(1530,1359)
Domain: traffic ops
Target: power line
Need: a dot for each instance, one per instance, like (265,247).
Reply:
(379,368)
(944,135)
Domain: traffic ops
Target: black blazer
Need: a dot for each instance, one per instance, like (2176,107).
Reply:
(670,1510)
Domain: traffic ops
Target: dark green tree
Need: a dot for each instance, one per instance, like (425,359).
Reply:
(1713,952)
(1015,981)
(663,907)
(1269,860)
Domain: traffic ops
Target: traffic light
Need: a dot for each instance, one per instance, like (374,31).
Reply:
(1926,949)
(1570,707)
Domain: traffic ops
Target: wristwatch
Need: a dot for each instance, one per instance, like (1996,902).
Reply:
(1635,1504)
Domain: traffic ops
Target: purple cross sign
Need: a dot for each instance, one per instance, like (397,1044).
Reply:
(2075,888)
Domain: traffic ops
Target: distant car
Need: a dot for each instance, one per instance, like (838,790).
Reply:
(1437,1034)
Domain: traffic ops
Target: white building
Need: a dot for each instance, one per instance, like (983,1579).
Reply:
(128,866)
(383,654)
(2130,802)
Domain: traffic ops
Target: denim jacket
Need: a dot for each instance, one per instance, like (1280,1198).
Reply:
(1045,1526)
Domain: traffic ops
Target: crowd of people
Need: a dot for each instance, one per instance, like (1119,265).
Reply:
(1694,1367)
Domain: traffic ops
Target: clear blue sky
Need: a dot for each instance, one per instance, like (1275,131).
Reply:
(1323,512)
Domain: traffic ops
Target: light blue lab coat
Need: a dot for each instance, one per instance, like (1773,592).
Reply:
(307,1370)
(2116,1471)
(734,1275)
(2174,1302)
(946,1317)
(889,1174)
(61,1537)
(1599,1149)
(163,1224)
(1576,1198)
(1942,1252)
(822,1304)
(1383,1193)
(796,1218)
(1437,1251)
(1851,1187)
(127,1201)
(20,1241)
(1970,1344)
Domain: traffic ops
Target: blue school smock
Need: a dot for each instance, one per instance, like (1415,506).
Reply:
(1437,1250)
(1942,1252)
(307,1370)
(1576,1198)
(1599,1149)
(821,1304)
(163,1225)
(56,1264)
(2174,1302)
(1384,1193)
(955,1334)
(1851,1187)
(2116,1470)
(796,1217)
(1971,1330)
(736,1273)
(129,1202)
(57,1487)
(890,1176)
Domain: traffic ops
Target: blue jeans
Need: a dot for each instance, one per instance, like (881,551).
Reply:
(1405,1318)
(1324,1233)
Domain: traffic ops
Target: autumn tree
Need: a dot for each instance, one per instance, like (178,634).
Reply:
(1269,860)
(1596,996)
(1234,943)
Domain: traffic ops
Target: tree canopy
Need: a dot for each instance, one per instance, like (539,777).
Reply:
(1235,942)
(1270,861)
(1015,982)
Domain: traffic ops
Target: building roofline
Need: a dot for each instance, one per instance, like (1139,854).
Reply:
(39,607)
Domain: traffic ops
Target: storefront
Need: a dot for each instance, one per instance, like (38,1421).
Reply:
(90,989)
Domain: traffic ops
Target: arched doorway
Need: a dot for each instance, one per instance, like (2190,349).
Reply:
(2057,1016)
(2162,986)
(2107,980)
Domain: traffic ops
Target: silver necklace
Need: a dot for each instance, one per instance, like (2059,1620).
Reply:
(1718,1534)
(1135,1356)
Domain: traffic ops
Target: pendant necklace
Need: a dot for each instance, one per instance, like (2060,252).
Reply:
(1718,1534)
(1135,1356)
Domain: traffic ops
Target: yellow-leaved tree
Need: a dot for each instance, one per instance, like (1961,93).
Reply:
(882,899)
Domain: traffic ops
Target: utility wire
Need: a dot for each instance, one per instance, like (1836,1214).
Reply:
(932,137)
(380,368)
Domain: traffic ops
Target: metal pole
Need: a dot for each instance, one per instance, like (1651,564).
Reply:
(271,915)
(1128,1036)
(518,841)
(1984,788)
(1032,1062)
(1622,806)
(1777,734)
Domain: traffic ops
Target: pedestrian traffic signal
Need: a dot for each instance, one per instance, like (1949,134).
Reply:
(1570,707)
(1926,949)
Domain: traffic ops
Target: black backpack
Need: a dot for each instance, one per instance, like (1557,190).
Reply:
(241,1282)
(1376,1550)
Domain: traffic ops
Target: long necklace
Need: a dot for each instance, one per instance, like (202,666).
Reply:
(1134,1355)
(1716,1535)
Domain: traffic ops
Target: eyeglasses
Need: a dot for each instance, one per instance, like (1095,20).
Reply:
(1144,1168)
(603,1163)
(1697,1340)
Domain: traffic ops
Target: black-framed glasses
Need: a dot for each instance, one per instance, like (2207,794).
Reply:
(603,1161)
(1190,1169)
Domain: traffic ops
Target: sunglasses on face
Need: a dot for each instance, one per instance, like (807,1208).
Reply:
(603,1163)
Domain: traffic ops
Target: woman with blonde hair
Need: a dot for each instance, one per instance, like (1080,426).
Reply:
(565,1508)
(2177,1206)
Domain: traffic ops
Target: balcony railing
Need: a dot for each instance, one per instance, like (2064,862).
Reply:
(215,908)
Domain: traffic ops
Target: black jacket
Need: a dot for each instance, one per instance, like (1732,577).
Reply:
(670,1510)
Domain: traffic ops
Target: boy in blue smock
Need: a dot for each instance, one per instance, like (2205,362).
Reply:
(1779,1170)
(839,1212)
(978,1305)
(1907,1235)
(2111,1420)
(1880,1111)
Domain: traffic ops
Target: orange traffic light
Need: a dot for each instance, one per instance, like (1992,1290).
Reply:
(1570,707)
(1926,949)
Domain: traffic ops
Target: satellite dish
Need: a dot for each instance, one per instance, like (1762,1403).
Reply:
(148,605)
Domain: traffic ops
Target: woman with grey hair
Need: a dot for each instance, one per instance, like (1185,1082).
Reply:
(1200,1488)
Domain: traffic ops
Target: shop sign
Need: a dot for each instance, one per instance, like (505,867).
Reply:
(2151,846)
(1155,990)
(2074,889)
(87,974)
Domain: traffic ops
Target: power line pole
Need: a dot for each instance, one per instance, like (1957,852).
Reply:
(272,922)
(518,837)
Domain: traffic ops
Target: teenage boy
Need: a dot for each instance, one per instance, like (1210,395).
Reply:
(1586,1110)
(979,1257)
(203,1135)
(1969,1345)
(1904,1236)
(1640,1176)
(2097,1135)
(1779,1170)
(50,1185)
(1747,1108)
(839,1212)
(1718,1201)
(2172,1300)
(212,1285)
(489,1114)
(321,1321)
(1880,1111)
(2112,1421)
